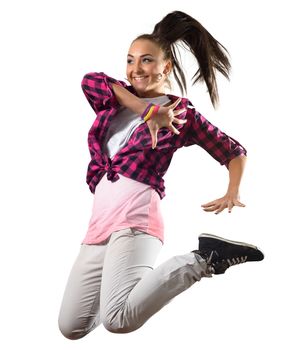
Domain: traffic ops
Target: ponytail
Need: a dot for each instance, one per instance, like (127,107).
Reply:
(209,53)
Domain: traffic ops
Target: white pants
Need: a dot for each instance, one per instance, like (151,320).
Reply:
(115,284)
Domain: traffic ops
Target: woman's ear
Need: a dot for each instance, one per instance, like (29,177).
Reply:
(168,68)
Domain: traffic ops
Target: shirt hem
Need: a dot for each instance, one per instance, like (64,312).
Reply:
(158,234)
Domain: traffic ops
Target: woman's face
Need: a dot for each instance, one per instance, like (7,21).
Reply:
(146,68)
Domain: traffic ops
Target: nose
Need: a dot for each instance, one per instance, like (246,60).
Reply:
(137,67)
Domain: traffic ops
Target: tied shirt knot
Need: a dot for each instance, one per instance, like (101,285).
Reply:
(111,174)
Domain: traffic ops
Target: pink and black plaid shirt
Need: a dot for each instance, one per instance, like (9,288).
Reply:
(137,160)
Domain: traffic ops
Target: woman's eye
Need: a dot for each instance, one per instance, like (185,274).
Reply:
(145,60)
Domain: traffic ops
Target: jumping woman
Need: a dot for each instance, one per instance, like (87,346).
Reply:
(138,128)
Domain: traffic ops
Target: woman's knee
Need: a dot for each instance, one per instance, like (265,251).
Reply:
(119,327)
(69,331)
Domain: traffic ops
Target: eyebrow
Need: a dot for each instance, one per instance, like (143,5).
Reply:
(147,54)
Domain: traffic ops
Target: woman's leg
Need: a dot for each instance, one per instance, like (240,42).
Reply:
(79,312)
(132,291)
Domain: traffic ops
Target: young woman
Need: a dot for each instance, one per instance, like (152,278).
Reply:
(132,140)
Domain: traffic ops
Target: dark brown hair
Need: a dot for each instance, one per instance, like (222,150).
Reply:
(209,53)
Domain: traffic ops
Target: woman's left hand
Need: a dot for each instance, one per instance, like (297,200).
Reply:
(165,117)
(218,205)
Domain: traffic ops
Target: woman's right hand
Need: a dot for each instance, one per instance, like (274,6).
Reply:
(165,117)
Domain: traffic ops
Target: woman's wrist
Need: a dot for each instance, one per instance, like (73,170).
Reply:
(233,192)
(149,112)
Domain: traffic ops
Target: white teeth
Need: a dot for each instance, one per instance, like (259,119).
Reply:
(139,78)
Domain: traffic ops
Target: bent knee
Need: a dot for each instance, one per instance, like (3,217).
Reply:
(70,332)
(114,327)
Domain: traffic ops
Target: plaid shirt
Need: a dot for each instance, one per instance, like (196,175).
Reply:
(137,160)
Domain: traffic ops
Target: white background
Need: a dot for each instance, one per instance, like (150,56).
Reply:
(47,47)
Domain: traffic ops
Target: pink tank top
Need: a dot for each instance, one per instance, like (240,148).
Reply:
(123,204)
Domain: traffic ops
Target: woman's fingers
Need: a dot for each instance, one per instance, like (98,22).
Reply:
(210,209)
(172,128)
(179,111)
(175,104)
(153,132)
(230,206)
(172,114)
(172,105)
(212,206)
(239,204)
(209,204)
(179,121)
(168,117)
(220,209)
(218,206)
(215,207)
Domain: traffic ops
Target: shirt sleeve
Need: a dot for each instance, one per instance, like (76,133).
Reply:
(98,91)
(220,146)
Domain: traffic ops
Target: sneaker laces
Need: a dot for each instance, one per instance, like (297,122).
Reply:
(238,260)
(230,262)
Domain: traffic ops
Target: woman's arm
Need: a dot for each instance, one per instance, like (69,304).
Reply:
(236,168)
(225,150)
(218,144)
(232,198)
(165,116)
(129,100)
(97,89)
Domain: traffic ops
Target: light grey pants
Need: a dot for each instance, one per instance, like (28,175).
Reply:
(115,284)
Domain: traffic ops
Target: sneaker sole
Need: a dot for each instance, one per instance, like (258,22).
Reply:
(217,238)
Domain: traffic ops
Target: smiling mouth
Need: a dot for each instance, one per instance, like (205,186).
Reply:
(139,78)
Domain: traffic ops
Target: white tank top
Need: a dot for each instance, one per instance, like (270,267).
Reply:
(123,125)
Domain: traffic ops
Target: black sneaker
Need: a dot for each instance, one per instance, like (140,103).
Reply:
(221,253)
